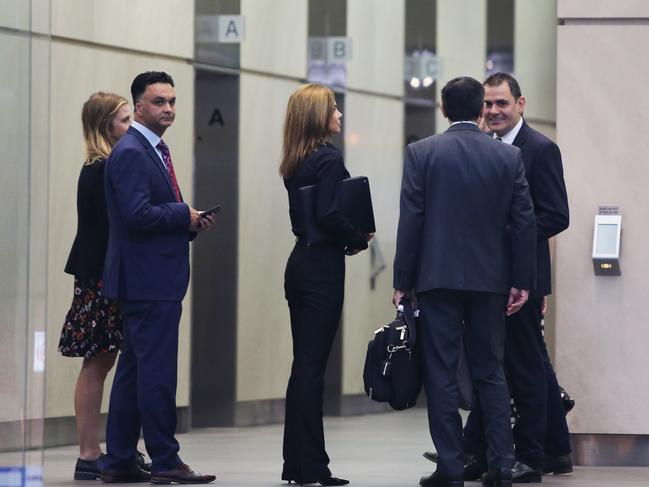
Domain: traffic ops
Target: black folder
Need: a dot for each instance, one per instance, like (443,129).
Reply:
(356,207)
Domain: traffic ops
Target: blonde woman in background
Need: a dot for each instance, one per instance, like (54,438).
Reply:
(93,325)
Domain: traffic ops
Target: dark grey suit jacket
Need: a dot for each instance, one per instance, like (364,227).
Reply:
(466,218)
(544,173)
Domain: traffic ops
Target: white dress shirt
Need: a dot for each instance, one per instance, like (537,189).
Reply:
(509,137)
(153,138)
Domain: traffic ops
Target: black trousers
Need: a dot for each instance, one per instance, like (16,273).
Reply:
(541,426)
(442,314)
(314,285)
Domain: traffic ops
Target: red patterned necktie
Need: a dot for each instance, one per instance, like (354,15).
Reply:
(166,157)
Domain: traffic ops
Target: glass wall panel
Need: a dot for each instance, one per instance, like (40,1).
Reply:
(209,45)
(420,70)
(22,339)
(500,36)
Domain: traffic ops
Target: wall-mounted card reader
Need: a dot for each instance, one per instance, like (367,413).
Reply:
(606,242)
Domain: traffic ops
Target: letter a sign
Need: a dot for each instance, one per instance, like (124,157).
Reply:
(231,29)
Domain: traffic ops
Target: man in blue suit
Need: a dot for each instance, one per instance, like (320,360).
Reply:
(147,269)
(466,247)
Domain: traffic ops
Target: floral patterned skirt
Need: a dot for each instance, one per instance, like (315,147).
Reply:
(93,324)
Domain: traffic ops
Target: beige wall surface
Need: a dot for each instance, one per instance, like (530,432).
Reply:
(276,36)
(376,31)
(15,14)
(602,331)
(461,43)
(373,148)
(587,9)
(264,347)
(105,70)
(535,56)
(155,26)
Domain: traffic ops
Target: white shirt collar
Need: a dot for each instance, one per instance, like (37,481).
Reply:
(464,121)
(509,137)
(153,138)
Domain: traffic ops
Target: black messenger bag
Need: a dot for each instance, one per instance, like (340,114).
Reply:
(392,373)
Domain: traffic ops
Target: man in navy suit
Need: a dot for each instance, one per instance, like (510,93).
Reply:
(466,245)
(541,436)
(147,269)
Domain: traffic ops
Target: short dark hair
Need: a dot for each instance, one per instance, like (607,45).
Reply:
(147,78)
(462,99)
(497,79)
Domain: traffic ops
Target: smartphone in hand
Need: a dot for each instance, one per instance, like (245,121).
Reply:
(212,211)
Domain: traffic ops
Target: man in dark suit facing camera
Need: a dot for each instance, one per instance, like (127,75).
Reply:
(541,436)
(147,269)
(466,245)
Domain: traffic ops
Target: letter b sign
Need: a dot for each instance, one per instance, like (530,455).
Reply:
(338,49)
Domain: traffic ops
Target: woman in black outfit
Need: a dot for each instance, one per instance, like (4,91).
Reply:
(315,275)
(93,325)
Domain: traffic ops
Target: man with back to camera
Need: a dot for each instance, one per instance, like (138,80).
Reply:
(147,269)
(461,191)
(541,436)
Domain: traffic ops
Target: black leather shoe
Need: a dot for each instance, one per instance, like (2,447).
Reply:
(141,462)
(431,456)
(567,401)
(557,465)
(436,480)
(325,481)
(131,475)
(88,469)
(498,478)
(524,474)
(181,475)
(333,481)
(474,468)
(434,457)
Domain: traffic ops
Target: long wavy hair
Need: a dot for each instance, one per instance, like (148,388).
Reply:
(306,125)
(97,117)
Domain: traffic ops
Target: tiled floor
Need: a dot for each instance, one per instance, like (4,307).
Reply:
(376,450)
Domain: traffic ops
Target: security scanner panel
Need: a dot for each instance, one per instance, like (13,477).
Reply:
(606,245)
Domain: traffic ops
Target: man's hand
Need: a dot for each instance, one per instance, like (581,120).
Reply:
(199,223)
(517,298)
(397,297)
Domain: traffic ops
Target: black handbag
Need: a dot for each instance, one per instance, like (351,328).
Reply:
(392,372)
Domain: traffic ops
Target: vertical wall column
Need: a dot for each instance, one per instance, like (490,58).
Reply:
(270,73)
(374,147)
(602,331)
(461,43)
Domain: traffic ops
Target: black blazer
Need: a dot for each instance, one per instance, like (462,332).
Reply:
(86,259)
(544,173)
(462,194)
(324,168)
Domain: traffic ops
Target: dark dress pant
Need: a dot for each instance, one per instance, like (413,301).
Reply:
(541,425)
(314,285)
(144,390)
(557,434)
(442,315)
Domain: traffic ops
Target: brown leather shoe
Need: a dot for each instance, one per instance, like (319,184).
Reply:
(181,475)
